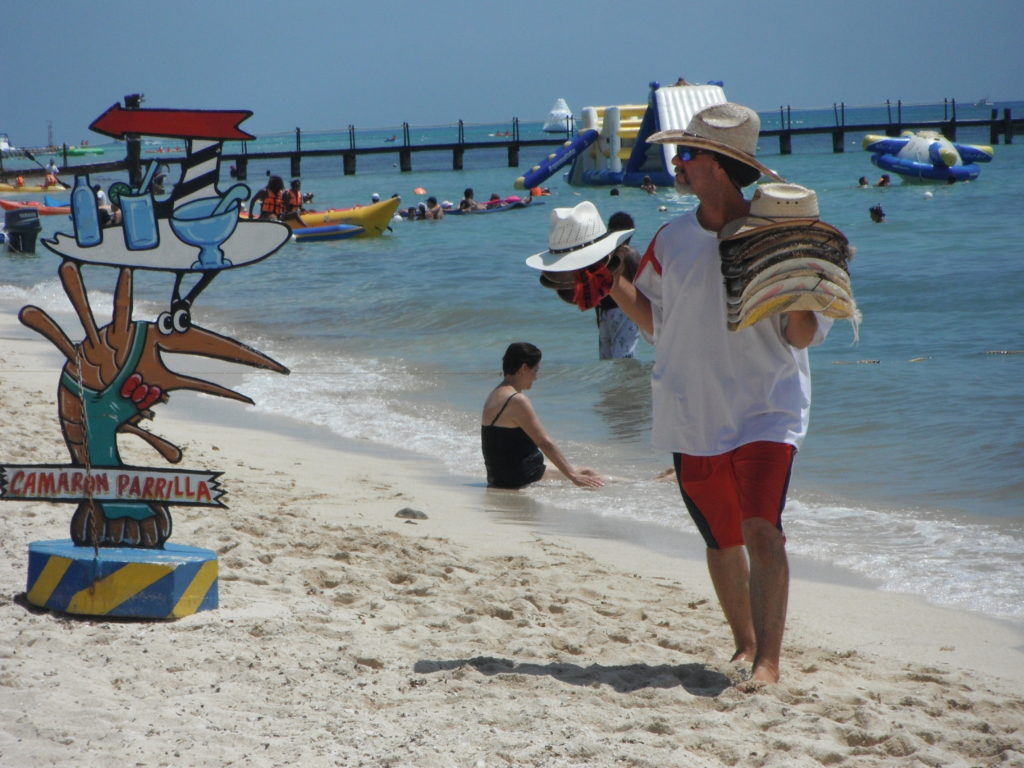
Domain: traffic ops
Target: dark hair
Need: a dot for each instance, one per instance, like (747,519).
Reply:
(468,192)
(619,221)
(517,354)
(742,175)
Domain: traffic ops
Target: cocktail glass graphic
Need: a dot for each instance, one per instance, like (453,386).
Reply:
(207,223)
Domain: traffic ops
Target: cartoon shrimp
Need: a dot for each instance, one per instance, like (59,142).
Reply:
(109,383)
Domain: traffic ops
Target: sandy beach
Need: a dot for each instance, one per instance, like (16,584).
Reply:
(347,636)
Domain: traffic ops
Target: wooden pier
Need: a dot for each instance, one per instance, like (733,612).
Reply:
(1002,129)
(511,143)
(999,126)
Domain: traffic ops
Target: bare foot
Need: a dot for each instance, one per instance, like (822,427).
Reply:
(764,673)
(744,654)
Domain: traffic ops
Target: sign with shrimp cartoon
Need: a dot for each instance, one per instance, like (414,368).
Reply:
(118,561)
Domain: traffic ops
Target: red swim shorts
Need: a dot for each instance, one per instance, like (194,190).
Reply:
(722,491)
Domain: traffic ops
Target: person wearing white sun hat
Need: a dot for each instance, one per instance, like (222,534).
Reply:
(576,265)
(731,405)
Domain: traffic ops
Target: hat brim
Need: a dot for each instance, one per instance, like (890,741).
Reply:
(837,307)
(579,257)
(832,275)
(767,295)
(750,226)
(678,136)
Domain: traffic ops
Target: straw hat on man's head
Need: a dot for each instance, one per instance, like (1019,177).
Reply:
(577,238)
(728,129)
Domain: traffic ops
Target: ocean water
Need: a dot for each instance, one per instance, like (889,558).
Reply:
(912,477)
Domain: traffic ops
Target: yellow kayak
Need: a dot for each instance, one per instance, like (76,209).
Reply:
(33,188)
(373,218)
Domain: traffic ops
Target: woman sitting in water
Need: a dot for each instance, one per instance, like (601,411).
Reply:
(512,436)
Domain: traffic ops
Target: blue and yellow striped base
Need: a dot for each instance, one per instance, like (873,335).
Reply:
(163,583)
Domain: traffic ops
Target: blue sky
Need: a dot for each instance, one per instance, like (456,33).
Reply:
(323,64)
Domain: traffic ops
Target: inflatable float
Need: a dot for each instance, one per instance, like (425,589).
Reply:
(373,219)
(326,232)
(507,204)
(927,156)
(550,164)
(560,118)
(621,155)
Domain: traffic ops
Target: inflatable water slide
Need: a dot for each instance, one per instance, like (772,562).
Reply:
(611,147)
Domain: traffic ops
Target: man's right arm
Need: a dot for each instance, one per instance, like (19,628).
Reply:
(631,301)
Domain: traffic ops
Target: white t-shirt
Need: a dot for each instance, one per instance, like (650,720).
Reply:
(714,389)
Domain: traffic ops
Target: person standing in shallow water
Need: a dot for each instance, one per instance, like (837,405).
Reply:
(513,439)
(731,406)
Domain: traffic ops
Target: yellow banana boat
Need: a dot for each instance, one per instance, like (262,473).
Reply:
(373,218)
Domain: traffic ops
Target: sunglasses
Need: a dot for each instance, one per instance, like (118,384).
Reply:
(686,154)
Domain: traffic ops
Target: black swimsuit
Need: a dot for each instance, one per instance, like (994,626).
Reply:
(512,458)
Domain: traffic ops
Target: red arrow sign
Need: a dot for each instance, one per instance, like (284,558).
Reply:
(176,123)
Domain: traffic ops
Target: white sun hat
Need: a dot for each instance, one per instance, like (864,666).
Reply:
(577,238)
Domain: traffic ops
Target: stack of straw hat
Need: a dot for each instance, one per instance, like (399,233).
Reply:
(782,257)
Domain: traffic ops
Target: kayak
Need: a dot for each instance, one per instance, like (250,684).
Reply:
(42,208)
(33,188)
(373,218)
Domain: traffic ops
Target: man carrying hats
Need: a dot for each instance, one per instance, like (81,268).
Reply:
(731,405)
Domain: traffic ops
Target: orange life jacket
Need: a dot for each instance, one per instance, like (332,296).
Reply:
(273,204)
(293,199)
